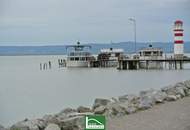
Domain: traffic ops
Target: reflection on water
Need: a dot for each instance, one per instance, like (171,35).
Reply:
(27,91)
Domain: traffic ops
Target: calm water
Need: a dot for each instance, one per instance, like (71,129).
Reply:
(26,91)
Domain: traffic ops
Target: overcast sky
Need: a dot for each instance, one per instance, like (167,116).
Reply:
(89,21)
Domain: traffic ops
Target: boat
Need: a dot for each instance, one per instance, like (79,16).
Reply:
(109,57)
(79,56)
(151,53)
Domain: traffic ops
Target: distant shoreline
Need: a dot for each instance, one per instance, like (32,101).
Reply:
(61,49)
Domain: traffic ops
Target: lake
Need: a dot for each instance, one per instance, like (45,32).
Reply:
(28,92)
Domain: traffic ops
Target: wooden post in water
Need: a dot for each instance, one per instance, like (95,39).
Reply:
(181,65)
(147,66)
(175,64)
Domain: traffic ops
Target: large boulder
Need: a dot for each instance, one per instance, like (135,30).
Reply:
(177,89)
(51,119)
(171,98)
(129,98)
(37,124)
(187,84)
(82,109)
(52,127)
(100,110)
(65,113)
(116,109)
(150,97)
(100,102)
(123,108)
(73,123)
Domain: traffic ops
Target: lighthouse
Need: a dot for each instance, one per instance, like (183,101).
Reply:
(178,39)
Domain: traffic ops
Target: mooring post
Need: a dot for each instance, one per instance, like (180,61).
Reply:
(147,66)
(175,65)
(181,65)
(40,66)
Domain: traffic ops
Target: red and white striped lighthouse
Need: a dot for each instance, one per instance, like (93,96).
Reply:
(178,39)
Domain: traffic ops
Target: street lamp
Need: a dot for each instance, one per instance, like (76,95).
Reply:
(135,37)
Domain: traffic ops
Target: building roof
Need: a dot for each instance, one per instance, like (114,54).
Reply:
(178,22)
(111,50)
(151,49)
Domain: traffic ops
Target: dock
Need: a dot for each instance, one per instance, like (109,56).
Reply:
(167,63)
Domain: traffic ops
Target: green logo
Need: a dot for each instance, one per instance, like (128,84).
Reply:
(95,122)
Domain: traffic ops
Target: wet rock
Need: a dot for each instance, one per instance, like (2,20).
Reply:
(171,98)
(100,102)
(52,127)
(36,124)
(82,109)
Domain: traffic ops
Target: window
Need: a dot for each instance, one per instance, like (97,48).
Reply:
(77,58)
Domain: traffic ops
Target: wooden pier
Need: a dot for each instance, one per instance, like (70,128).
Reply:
(134,64)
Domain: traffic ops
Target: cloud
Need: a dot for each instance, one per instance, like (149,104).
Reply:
(97,20)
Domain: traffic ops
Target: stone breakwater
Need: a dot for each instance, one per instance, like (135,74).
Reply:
(73,119)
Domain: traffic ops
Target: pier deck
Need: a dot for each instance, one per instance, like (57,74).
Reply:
(170,63)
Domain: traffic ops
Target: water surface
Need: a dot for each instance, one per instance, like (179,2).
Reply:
(28,92)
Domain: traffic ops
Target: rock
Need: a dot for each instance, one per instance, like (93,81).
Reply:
(50,119)
(175,90)
(1,127)
(68,110)
(187,92)
(131,110)
(116,110)
(128,98)
(187,84)
(82,109)
(114,100)
(146,102)
(52,127)
(100,102)
(150,97)
(127,108)
(74,123)
(100,110)
(171,98)
(159,96)
(36,124)
(64,114)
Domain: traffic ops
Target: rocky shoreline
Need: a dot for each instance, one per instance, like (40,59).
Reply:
(73,119)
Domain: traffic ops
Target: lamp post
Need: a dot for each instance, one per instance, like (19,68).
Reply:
(135,37)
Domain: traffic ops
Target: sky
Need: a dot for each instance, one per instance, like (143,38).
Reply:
(90,21)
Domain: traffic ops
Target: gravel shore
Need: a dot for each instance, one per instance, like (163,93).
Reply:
(169,116)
